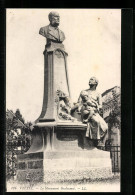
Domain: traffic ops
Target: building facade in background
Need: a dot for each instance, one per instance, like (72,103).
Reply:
(111,100)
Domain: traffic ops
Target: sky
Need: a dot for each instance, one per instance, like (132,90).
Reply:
(93,44)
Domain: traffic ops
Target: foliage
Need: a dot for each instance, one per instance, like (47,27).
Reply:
(115,115)
(19,115)
(18,140)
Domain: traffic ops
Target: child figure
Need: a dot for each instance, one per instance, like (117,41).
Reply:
(89,107)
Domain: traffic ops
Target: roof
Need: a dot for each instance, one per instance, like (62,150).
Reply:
(108,90)
(10,114)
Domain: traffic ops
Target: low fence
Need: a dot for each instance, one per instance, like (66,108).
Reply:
(115,157)
(12,150)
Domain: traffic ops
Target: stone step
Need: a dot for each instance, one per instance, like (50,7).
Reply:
(93,153)
(75,163)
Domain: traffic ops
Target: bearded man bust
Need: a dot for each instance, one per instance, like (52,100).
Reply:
(51,31)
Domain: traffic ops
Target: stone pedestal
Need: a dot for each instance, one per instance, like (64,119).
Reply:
(62,153)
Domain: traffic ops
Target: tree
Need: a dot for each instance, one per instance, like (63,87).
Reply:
(19,116)
(15,139)
(115,115)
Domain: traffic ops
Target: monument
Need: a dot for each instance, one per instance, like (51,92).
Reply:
(60,150)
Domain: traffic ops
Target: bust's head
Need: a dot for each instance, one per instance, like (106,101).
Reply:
(93,82)
(54,19)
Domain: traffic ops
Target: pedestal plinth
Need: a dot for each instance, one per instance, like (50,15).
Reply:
(61,152)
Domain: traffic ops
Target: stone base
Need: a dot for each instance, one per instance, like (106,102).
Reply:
(69,166)
(62,152)
(31,175)
(30,167)
(61,166)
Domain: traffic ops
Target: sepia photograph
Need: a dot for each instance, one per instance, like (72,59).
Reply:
(63,100)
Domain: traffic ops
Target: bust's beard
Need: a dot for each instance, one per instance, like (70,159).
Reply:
(55,24)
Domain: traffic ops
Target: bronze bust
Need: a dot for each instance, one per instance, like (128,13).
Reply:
(51,31)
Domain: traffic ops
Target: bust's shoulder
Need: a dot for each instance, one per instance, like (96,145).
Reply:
(61,31)
(62,35)
(43,30)
(44,27)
